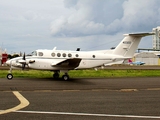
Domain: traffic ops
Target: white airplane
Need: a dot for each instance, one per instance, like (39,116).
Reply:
(63,61)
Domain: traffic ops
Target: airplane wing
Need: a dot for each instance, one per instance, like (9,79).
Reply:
(69,63)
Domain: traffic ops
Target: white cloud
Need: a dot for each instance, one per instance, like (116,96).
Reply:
(140,15)
(88,17)
(92,17)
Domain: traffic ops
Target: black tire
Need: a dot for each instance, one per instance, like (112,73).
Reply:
(55,75)
(9,76)
(65,77)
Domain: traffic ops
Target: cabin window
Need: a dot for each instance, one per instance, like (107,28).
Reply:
(59,54)
(93,56)
(53,54)
(69,55)
(64,54)
(77,55)
(40,54)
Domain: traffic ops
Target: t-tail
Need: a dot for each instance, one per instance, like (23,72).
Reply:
(129,44)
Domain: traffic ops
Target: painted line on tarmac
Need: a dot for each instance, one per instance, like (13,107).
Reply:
(23,103)
(153,89)
(89,114)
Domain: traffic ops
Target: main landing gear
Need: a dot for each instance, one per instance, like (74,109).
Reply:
(64,77)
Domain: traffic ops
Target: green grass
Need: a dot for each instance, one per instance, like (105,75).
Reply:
(115,73)
(84,73)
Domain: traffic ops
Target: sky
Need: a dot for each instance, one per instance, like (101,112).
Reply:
(27,25)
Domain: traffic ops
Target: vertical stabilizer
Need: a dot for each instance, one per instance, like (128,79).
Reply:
(129,44)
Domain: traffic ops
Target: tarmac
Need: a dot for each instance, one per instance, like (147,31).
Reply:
(89,99)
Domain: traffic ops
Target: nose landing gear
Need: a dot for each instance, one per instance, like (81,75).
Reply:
(9,75)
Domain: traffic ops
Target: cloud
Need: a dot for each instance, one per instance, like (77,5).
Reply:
(70,3)
(93,17)
(141,15)
(137,16)
(87,18)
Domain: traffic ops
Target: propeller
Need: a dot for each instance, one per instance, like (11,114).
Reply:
(24,64)
(23,61)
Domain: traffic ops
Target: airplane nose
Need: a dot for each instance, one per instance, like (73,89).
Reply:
(8,62)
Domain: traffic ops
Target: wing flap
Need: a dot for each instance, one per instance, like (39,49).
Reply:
(55,62)
(70,63)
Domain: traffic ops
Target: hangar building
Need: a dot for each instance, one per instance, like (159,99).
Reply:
(156,38)
(150,58)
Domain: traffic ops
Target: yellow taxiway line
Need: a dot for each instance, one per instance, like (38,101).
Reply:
(23,103)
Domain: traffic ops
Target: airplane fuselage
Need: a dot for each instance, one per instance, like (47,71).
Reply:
(48,59)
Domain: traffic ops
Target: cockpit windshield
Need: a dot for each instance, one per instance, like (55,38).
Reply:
(34,53)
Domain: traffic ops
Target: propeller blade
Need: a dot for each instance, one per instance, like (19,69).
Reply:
(24,64)
(24,56)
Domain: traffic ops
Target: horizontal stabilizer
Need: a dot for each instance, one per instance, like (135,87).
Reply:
(139,34)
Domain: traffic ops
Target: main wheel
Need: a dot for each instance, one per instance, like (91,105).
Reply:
(9,76)
(55,75)
(65,77)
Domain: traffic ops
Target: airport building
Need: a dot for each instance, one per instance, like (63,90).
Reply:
(156,38)
(3,57)
(149,58)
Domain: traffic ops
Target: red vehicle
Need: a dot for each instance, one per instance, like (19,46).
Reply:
(4,58)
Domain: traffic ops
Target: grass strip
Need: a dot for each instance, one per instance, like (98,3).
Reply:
(106,73)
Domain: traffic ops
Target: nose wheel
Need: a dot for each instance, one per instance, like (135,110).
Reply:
(9,76)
